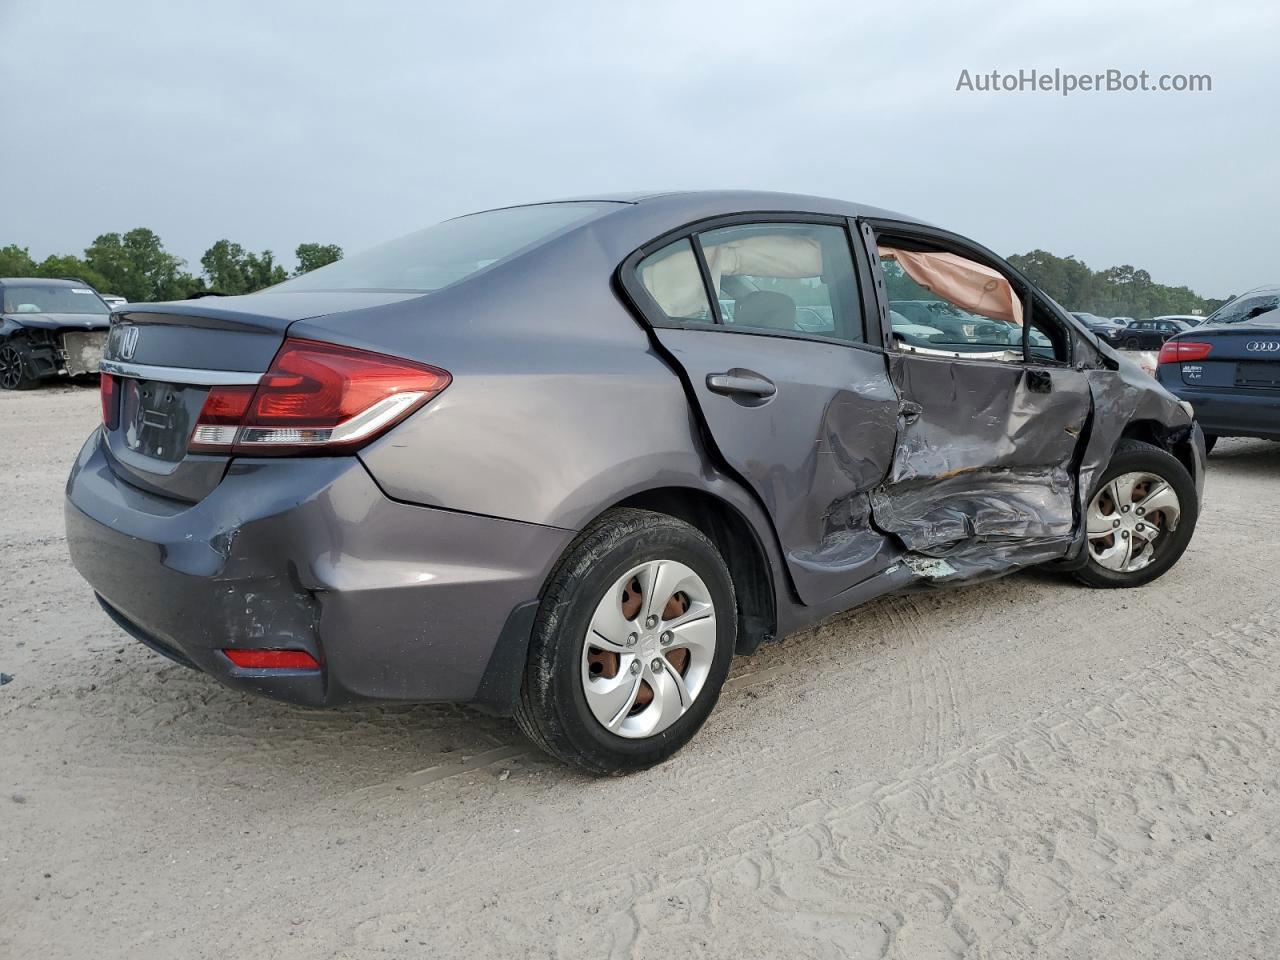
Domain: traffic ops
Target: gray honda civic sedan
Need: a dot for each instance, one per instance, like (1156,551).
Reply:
(563,461)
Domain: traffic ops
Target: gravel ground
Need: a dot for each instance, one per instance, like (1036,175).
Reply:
(1022,768)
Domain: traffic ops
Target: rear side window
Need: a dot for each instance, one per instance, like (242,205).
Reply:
(785,278)
(671,276)
(448,252)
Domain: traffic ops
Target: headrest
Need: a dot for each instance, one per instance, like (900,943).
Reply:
(766,308)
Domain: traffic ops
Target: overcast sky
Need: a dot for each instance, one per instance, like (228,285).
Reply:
(273,123)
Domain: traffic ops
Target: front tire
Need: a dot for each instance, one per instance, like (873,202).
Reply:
(631,644)
(1140,518)
(15,367)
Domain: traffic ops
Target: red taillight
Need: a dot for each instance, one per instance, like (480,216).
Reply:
(110,400)
(272,659)
(316,396)
(220,418)
(1184,351)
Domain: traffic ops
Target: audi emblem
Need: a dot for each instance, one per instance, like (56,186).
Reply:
(1263,346)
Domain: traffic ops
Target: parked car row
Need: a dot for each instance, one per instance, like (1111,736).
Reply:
(1129,334)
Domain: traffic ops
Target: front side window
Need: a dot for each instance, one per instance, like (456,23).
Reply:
(1047,340)
(671,276)
(51,299)
(795,278)
(942,303)
(448,252)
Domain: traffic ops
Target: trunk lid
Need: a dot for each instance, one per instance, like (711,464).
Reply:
(165,358)
(1243,355)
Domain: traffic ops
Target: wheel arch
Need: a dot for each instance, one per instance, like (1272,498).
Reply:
(1176,441)
(739,544)
(10,328)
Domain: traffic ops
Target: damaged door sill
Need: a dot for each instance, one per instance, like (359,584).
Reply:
(931,568)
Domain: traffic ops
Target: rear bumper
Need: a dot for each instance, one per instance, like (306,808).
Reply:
(396,602)
(1232,413)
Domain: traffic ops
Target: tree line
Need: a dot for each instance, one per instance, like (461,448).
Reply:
(1123,291)
(136,266)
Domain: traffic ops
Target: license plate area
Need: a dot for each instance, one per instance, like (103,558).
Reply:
(1252,373)
(156,418)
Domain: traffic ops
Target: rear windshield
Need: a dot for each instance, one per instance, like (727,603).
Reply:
(448,252)
(53,300)
(1247,308)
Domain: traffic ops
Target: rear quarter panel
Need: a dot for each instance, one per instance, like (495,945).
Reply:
(559,406)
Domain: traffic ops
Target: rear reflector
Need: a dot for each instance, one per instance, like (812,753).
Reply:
(272,659)
(317,397)
(110,400)
(1182,351)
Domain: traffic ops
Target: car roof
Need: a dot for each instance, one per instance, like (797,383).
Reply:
(709,203)
(1266,288)
(43,282)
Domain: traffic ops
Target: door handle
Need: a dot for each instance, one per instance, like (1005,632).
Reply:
(741,382)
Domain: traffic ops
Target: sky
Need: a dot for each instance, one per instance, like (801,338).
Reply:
(275,122)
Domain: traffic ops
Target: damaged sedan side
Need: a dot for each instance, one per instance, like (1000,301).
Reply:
(563,461)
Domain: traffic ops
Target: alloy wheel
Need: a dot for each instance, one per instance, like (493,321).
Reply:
(649,648)
(1128,520)
(10,368)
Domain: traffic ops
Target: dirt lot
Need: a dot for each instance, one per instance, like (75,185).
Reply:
(1016,769)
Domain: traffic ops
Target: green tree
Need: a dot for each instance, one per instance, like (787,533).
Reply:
(137,267)
(314,255)
(15,261)
(261,270)
(65,265)
(223,265)
(233,270)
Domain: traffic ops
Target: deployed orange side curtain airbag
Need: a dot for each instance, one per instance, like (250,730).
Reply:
(966,283)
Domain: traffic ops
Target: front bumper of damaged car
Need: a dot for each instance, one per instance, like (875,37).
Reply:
(67,352)
(395,602)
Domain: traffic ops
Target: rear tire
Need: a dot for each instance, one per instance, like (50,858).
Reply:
(1132,457)
(568,654)
(1132,344)
(15,367)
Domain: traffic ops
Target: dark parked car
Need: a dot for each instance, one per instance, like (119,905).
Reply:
(1151,334)
(1228,368)
(49,328)
(1190,319)
(526,459)
(1111,331)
